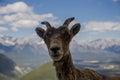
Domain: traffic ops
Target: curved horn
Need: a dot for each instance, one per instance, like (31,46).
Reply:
(47,24)
(67,21)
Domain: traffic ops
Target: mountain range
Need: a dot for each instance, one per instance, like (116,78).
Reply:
(8,68)
(9,43)
(29,53)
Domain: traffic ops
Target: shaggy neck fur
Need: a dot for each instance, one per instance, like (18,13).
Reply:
(64,68)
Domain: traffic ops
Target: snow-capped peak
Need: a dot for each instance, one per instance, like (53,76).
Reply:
(7,40)
(34,40)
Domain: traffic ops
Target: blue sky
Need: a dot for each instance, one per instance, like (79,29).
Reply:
(100,19)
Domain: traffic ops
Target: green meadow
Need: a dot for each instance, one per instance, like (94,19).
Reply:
(45,72)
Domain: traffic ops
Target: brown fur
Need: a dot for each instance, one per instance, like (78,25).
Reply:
(57,41)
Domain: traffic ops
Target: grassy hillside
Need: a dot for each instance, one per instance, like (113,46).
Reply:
(3,77)
(45,72)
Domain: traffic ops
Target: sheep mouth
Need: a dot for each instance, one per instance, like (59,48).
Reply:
(56,57)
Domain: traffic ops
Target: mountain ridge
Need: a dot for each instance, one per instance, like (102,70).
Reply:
(98,43)
(8,68)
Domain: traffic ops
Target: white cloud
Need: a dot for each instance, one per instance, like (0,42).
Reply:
(3,29)
(25,23)
(116,0)
(15,8)
(20,15)
(101,26)
(14,29)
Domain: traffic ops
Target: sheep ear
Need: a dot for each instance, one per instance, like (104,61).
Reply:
(40,32)
(75,29)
